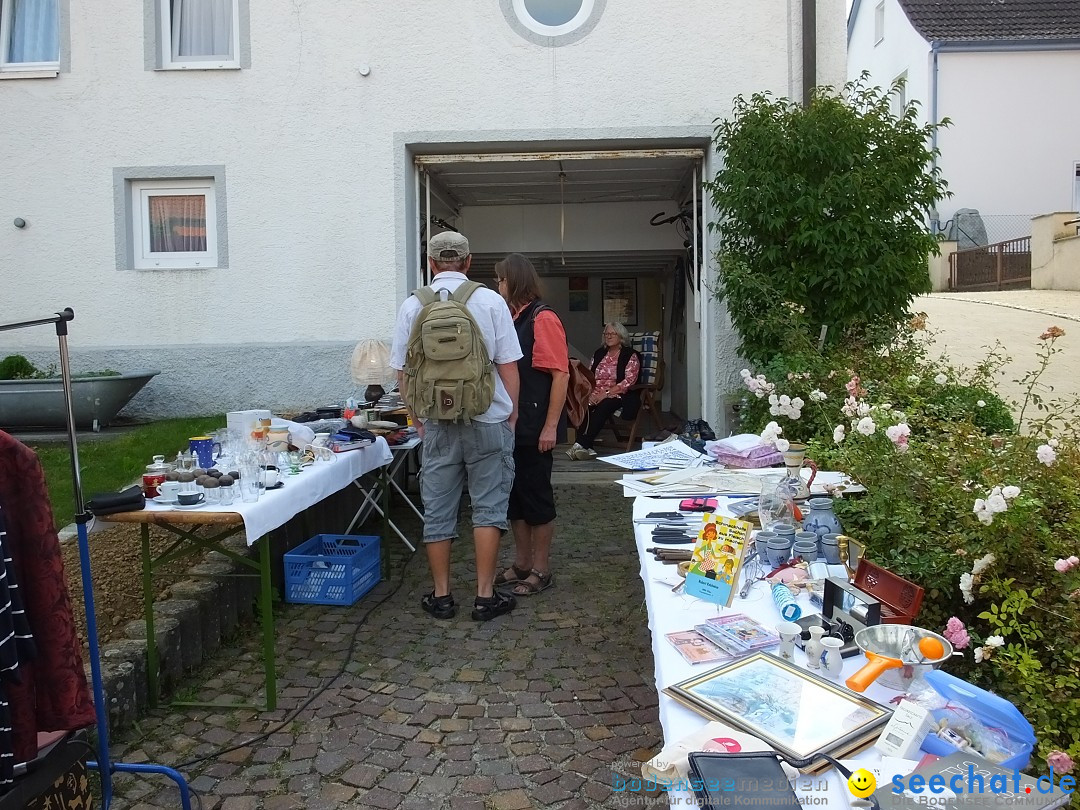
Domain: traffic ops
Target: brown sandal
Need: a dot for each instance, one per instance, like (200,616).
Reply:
(526,588)
(512,575)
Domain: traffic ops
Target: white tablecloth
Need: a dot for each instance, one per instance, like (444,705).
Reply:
(671,612)
(321,479)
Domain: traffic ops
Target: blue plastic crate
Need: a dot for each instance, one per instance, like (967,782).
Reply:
(332,569)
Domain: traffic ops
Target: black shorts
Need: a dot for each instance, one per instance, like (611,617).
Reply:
(532,498)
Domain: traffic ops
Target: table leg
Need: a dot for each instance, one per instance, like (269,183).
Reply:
(148,613)
(267,624)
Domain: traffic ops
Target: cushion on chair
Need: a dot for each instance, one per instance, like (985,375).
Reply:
(648,344)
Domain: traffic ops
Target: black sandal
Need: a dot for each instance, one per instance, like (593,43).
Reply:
(488,607)
(519,574)
(441,607)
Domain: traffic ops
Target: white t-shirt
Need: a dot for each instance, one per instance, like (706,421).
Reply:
(496,326)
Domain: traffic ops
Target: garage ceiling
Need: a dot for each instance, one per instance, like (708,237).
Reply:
(549,178)
(551,181)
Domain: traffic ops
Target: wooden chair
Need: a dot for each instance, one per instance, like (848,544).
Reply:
(650,383)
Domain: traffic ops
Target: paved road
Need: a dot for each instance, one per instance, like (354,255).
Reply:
(967,324)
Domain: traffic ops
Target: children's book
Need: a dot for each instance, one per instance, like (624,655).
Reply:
(697,649)
(717,561)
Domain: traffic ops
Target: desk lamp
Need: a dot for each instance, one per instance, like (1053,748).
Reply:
(371,366)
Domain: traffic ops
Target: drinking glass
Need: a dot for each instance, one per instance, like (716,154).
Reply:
(776,503)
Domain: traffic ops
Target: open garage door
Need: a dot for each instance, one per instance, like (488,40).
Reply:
(616,234)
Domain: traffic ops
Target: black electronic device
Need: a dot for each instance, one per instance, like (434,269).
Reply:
(846,610)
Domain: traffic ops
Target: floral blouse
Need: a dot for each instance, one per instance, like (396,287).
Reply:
(605,374)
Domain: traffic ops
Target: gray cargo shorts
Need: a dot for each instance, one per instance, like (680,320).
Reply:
(481,453)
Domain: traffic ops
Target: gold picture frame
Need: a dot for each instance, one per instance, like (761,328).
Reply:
(797,712)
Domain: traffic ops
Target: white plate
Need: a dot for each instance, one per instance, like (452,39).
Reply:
(188,506)
(164,501)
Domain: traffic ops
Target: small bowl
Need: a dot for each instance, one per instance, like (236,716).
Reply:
(684,567)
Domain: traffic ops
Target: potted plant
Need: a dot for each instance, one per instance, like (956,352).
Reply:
(31,397)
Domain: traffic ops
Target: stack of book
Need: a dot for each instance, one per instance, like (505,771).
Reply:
(738,634)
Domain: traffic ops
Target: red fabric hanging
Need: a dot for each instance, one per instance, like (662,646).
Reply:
(53,694)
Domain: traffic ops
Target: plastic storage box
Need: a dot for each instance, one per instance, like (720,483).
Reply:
(332,569)
(991,709)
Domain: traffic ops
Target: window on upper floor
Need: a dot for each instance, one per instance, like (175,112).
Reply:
(199,34)
(552,22)
(174,223)
(29,37)
(879,22)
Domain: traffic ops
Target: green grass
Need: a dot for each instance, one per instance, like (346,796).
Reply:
(106,465)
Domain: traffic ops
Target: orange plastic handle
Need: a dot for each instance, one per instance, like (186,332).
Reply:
(870,671)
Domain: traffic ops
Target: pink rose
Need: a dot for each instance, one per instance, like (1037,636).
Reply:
(1064,565)
(957,634)
(1060,762)
(1074,561)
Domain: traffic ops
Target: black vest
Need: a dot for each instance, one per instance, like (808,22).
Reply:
(631,400)
(534,393)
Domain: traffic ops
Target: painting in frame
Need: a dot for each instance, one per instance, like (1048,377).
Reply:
(578,288)
(797,712)
(620,301)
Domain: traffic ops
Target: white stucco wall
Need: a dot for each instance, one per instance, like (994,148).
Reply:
(1014,140)
(319,188)
(902,49)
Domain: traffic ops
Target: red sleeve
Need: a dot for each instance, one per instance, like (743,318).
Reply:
(550,352)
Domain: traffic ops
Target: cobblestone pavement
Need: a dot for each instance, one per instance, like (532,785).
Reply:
(533,710)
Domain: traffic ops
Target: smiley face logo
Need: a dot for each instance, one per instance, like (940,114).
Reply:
(861,783)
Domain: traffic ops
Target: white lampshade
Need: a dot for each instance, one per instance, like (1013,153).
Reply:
(371,363)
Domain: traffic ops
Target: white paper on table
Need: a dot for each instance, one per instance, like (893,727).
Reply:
(654,457)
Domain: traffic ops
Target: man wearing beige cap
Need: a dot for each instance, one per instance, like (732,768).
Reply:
(478,450)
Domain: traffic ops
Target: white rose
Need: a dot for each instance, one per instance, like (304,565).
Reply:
(941,379)
(797,404)
(1046,454)
(866,426)
(838,434)
(913,379)
(997,503)
(995,641)
(981,403)
(1010,492)
(782,445)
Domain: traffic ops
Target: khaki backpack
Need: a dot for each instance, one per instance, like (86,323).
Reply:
(448,371)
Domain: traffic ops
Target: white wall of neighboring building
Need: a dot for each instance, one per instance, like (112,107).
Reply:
(1015,134)
(901,50)
(319,190)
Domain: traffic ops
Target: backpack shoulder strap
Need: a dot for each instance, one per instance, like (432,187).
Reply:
(426,296)
(465,291)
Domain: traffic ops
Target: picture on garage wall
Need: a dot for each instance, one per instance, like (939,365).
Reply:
(620,301)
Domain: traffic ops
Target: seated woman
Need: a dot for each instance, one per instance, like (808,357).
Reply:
(615,366)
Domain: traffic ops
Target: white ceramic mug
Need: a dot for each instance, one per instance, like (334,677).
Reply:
(270,477)
(168,490)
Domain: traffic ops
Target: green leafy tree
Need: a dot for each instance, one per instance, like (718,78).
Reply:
(823,207)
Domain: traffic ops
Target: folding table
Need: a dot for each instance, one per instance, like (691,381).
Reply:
(272,510)
(383,480)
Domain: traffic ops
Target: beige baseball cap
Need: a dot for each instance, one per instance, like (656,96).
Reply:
(448,246)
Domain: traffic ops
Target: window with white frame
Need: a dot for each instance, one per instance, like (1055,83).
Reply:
(174,223)
(879,22)
(552,22)
(29,35)
(898,95)
(200,34)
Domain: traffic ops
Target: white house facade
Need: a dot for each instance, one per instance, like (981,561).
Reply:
(235,193)
(1005,73)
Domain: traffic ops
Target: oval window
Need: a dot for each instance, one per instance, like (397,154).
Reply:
(554,18)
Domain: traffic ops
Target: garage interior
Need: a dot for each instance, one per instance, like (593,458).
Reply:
(584,219)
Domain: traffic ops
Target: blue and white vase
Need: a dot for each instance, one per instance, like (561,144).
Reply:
(820,518)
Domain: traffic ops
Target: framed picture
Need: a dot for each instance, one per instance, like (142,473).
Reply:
(800,714)
(579,293)
(620,300)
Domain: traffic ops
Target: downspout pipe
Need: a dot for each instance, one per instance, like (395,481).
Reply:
(935,49)
(809,49)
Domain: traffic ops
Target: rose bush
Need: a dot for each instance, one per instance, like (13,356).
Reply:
(982,512)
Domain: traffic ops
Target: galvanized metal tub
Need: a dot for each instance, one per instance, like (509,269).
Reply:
(95,400)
